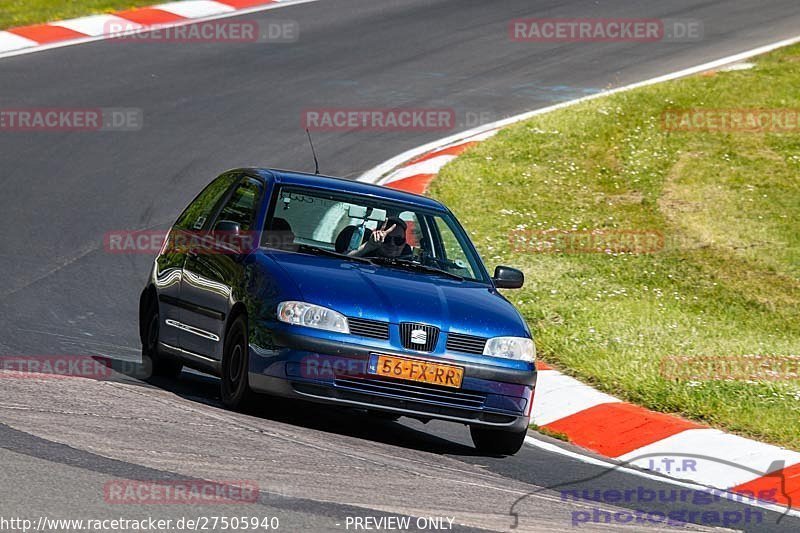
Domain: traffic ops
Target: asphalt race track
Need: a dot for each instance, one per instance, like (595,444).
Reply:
(213,106)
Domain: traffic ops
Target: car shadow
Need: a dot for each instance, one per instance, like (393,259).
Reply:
(203,388)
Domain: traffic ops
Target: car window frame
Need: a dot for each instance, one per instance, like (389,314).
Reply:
(229,194)
(215,208)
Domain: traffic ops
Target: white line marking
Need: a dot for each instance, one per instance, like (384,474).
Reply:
(12,41)
(391,176)
(193,9)
(97,24)
(73,42)
(429,166)
(737,66)
(558,396)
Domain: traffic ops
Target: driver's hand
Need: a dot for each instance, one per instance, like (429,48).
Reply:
(378,236)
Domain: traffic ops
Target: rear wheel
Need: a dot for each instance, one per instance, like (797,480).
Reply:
(497,442)
(234,385)
(161,364)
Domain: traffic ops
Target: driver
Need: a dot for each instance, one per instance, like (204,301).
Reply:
(388,241)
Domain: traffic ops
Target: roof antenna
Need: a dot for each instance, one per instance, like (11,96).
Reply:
(313,152)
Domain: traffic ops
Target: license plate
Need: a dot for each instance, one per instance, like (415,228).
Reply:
(417,370)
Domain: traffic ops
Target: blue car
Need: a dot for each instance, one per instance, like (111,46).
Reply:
(340,292)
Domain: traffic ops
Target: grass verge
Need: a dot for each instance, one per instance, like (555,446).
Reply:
(14,13)
(727,282)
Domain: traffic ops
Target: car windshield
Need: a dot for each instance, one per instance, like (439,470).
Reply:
(391,234)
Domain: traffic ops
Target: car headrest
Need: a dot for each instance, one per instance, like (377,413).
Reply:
(280,224)
(280,235)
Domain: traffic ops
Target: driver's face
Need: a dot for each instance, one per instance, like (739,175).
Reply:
(391,248)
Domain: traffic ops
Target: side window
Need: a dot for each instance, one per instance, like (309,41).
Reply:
(241,206)
(453,251)
(197,213)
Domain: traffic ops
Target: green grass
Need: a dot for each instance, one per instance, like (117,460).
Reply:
(550,433)
(726,284)
(15,13)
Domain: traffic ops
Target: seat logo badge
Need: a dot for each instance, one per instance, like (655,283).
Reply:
(419,336)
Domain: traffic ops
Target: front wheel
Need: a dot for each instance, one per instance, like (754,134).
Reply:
(234,385)
(161,364)
(496,441)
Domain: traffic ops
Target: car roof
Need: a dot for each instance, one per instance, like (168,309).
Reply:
(303,179)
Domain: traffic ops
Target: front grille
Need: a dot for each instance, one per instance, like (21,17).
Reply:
(369,328)
(407,391)
(458,342)
(419,337)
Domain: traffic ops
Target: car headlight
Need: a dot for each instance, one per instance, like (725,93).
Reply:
(312,316)
(519,348)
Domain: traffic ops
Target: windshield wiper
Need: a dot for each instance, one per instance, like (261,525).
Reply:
(391,261)
(330,253)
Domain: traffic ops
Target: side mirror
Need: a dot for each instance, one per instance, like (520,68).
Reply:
(228,226)
(227,238)
(508,278)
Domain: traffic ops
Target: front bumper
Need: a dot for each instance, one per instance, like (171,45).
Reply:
(329,370)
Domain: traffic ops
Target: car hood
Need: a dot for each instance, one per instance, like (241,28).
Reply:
(393,295)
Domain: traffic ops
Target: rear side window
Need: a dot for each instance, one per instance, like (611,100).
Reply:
(241,206)
(201,209)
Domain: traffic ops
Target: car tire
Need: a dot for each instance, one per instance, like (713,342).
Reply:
(234,385)
(161,364)
(497,442)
